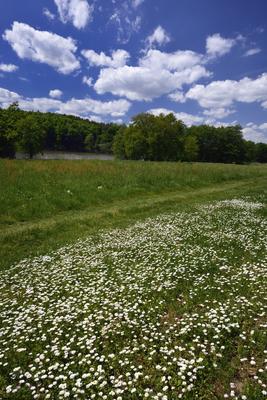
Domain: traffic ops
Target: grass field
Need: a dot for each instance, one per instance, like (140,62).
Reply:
(133,281)
(41,189)
(46,204)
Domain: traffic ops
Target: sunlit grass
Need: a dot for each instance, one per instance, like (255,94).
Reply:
(173,307)
(33,190)
(162,297)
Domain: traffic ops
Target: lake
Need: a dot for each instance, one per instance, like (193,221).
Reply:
(63,155)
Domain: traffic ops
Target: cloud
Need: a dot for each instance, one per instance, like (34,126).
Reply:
(193,119)
(8,68)
(115,108)
(78,12)
(256,133)
(84,108)
(158,73)
(188,119)
(209,117)
(135,83)
(125,20)
(176,61)
(177,96)
(48,14)
(22,78)
(43,47)
(88,80)
(218,113)
(118,121)
(252,52)
(7,97)
(118,58)
(222,94)
(42,104)
(95,118)
(158,37)
(80,107)
(137,3)
(217,46)
(55,93)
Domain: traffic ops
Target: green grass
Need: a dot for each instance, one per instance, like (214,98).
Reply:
(33,190)
(46,204)
(170,307)
(152,272)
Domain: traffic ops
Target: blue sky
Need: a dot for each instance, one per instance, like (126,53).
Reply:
(204,60)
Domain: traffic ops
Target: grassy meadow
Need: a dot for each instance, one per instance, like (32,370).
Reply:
(133,280)
(41,189)
(46,204)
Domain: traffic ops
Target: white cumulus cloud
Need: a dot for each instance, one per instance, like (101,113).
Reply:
(158,37)
(176,61)
(117,59)
(188,119)
(8,67)
(42,104)
(216,45)
(114,108)
(177,96)
(157,74)
(135,83)
(55,93)
(84,108)
(221,94)
(78,12)
(88,80)
(81,107)
(42,46)
(256,133)
(7,97)
(218,113)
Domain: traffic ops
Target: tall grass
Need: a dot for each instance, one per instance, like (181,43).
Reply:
(32,190)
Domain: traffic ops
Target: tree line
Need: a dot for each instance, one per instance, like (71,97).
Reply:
(164,138)
(148,137)
(34,132)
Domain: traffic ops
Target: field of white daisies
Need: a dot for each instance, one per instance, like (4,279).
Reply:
(173,307)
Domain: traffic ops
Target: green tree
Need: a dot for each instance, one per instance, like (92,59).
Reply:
(30,135)
(166,138)
(230,144)
(155,138)
(219,144)
(207,139)
(89,142)
(118,146)
(7,140)
(249,151)
(135,144)
(191,148)
(7,145)
(261,152)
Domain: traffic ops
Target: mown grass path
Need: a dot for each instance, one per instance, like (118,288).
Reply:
(141,202)
(22,239)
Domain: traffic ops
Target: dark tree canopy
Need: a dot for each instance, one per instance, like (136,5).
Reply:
(164,138)
(148,137)
(59,132)
(31,135)
(154,138)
